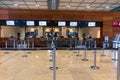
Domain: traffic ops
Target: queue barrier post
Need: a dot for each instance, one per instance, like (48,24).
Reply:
(95,67)
(24,46)
(85,59)
(118,65)
(103,50)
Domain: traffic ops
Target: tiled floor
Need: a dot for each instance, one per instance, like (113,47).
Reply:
(71,67)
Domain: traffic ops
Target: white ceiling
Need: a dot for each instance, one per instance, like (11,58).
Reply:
(101,5)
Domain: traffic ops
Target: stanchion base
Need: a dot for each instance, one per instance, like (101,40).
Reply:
(28,52)
(50,55)
(50,60)
(114,59)
(6,52)
(95,67)
(24,56)
(75,52)
(103,55)
(84,59)
(51,68)
(78,55)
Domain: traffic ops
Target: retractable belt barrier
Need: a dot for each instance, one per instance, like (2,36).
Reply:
(60,45)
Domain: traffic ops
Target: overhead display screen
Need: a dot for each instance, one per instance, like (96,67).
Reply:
(30,23)
(91,23)
(42,23)
(10,23)
(73,24)
(61,23)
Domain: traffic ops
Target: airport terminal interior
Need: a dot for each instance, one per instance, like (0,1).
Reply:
(59,40)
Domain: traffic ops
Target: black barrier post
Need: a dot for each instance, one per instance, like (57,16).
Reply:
(118,65)
(85,59)
(94,66)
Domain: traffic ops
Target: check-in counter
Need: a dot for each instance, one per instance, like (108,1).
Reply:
(38,42)
(63,42)
(2,41)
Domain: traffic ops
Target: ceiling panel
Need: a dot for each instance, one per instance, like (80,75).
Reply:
(100,1)
(8,2)
(62,4)
(89,1)
(74,4)
(42,0)
(81,8)
(95,5)
(42,3)
(76,0)
(99,9)
(65,0)
(112,1)
(85,4)
(3,6)
(19,2)
(104,5)
(30,3)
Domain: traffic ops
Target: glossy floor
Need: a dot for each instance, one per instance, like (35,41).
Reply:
(70,67)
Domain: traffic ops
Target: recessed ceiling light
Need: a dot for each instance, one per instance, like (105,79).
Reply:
(68,6)
(37,5)
(87,6)
(107,7)
(15,4)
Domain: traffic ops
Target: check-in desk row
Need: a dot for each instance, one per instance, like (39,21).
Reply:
(38,42)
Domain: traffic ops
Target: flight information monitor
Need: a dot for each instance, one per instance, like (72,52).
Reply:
(73,24)
(42,23)
(10,22)
(30,23)
(61,23)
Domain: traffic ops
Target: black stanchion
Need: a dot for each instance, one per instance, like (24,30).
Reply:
(95,66)
(85,59)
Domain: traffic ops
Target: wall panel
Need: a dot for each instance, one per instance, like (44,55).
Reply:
(24,14)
